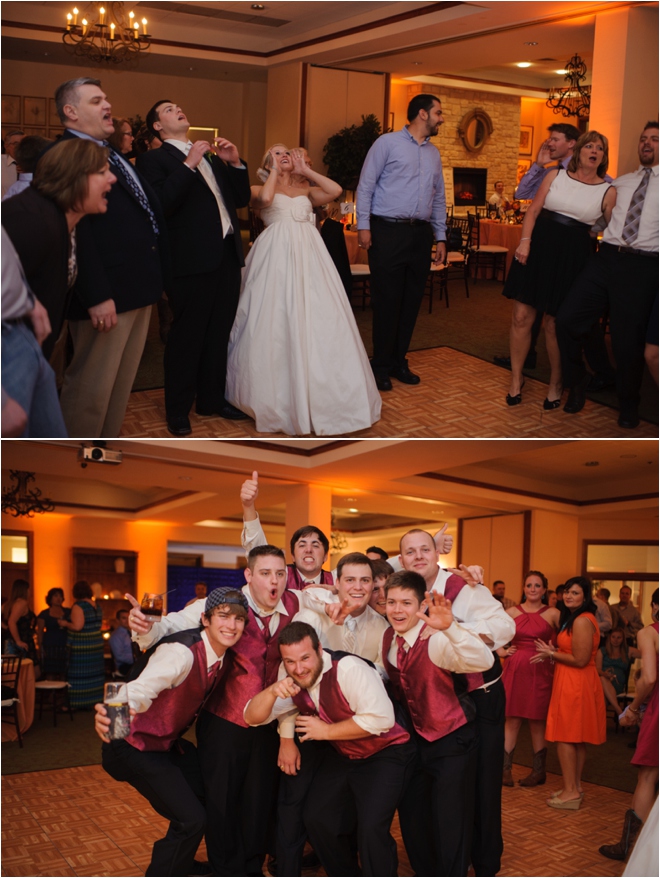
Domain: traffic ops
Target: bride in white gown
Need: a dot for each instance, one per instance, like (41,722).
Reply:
(297,364)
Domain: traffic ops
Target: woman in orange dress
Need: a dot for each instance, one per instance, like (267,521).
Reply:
(576,715)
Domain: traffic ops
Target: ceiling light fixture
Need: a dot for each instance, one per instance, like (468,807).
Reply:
(20,500)
(574,98)
(352,509)
(258,7)
(114,37)
(524,64)
(531,43)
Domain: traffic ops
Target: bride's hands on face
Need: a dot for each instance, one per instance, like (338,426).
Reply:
(298,160)
(275,155)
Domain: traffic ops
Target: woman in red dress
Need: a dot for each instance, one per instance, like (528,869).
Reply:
(646,753)
(576,715)
(528,685)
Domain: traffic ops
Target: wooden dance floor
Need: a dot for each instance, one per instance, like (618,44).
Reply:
(78,821)
(460,396)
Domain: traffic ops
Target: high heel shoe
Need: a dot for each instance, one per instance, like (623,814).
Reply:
(550,405)
(517,399)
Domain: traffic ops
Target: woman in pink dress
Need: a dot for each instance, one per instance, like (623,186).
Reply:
(646,753)
(528,686)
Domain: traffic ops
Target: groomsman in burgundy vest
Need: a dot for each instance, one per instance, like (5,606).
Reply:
(309,545)
(436,811)
(171,684)
(240,763)
(340,700)
(474,606)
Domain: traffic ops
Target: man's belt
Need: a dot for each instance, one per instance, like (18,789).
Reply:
(631,251)
(408,222)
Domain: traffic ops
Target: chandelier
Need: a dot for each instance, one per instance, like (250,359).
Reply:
(21,500)
(572,99)
(105,35)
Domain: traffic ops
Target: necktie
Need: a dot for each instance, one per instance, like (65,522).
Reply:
(265,621)
(349,638)
(307,698)
(118,165)
(401,651)
(205,168)
(631,224)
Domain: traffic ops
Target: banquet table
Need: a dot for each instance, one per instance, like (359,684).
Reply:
(26,704)
(503,234)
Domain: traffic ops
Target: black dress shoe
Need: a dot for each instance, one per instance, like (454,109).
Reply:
(230,412)
(405,376)
(179,426)
(600,382)
(629,420)
(576,397)
(383,382)
(201,867)
(517,399)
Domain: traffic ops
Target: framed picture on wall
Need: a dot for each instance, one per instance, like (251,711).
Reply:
(34,111)
(53,118)
(523,166)
(526,139)
(11,110)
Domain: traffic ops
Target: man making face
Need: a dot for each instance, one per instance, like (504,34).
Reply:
(200,186)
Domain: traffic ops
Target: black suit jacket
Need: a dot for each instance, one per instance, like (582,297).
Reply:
(39,232)
(193,219)
(119,256)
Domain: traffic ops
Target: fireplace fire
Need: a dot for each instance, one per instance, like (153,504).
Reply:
(470,186)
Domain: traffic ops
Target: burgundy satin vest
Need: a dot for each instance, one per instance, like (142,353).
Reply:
(333,708)
(295,581)
(255,666)
(425,689)
(474,681)
(174,710)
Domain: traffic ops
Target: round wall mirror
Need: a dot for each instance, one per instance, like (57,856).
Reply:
(474,129)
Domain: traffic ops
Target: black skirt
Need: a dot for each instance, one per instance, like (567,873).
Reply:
(558,253)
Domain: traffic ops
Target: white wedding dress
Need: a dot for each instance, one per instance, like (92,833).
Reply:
(297,364)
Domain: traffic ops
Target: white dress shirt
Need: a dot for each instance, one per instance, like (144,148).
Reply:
(456,649)
(368,635)
(603,616)
(360,685)
(206,171)
(647,237)
(9,172)
(167,668)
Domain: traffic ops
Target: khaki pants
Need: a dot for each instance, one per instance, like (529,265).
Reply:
(98,382)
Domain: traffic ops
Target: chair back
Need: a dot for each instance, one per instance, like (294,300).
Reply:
(256,225)
(55,661)
(473,231)
(11,668)
(450,211)
(457,235)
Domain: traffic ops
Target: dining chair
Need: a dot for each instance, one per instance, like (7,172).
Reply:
(361,276)
(55,691)
(458,251)
(484,254)
(11,668)
(437,278)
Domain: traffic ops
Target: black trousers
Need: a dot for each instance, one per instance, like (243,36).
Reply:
(363,793)
(399,260)
(437,809)
(487,842)
(172,784)
(291,801)
(203,307)
(627,284)
(240,772)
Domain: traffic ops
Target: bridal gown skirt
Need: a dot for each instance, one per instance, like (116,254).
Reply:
(297,364)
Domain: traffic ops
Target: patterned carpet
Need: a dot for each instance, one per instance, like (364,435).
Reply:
(79,822)
(460,396)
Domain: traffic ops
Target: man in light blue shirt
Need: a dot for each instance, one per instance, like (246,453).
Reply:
(401,208)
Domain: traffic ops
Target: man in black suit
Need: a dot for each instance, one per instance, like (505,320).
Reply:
(121,256)
(199,186)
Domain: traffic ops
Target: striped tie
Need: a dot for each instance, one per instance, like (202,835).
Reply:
(118,165)
(631,225)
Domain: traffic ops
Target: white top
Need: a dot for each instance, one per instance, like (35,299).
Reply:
(360,685)
(167,668)
(368,634)
(647,237)
(581,201)
(455,649)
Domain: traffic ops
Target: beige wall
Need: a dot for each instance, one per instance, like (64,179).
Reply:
(283,105)
(337,99)
(234,108)
(496,544)
(625,81)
